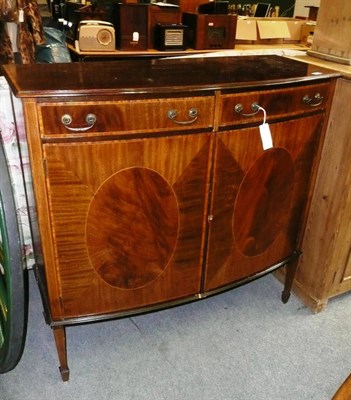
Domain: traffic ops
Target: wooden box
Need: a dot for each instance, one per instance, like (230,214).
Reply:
(190,5)
(307,33)
(332,34)
(135,24)
(207,31)
(131,26)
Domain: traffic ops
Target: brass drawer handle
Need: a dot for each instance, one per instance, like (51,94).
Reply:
(67,119)
(193,114)
(314,101)
(239,108)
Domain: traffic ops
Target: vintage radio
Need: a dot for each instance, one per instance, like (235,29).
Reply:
(210,31)
(96,36)
(169,37)
(161,15)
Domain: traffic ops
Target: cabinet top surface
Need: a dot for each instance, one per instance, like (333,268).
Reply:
(159,75)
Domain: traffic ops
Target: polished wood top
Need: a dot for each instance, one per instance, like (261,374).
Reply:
(159,75)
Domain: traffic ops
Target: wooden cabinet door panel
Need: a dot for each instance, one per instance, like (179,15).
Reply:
(258,198)
(127,221)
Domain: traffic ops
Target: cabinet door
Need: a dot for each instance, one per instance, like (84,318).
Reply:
(259,198)
(127,221)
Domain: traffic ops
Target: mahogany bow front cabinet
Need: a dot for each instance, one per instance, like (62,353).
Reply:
(152,185)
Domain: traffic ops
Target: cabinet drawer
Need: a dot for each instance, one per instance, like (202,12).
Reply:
(239,108)
(128,116)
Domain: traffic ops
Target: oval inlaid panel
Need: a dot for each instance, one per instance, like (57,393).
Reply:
(263,201)
(132,227)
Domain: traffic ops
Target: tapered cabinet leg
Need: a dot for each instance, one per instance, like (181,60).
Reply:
(289,279)
(60,340)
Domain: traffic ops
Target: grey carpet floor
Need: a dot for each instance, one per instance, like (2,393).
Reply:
(239,345)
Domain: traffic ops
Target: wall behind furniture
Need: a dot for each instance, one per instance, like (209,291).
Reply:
(300,7)
(286,6)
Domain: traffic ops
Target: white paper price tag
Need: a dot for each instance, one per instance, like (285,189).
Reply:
(266,136)
(135,37)
(21,16)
